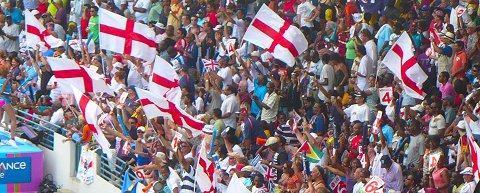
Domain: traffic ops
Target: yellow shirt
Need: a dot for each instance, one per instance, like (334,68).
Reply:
(52,9)
(177,11)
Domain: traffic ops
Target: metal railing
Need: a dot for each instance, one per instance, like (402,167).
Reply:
(113,171)
(48,129)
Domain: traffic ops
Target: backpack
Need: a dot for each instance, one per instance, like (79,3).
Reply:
(47,185)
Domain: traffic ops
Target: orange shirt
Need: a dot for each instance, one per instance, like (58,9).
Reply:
(459,60)
(86,134)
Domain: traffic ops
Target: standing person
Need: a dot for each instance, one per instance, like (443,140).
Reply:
(12,31)
(269,105)
(279,158)
(230,106)
(5,90)
(437,123)
(306,13)
(364,67)
(391,174)
(439,178)
(93,25)
(141,8)
(460,61)
(370,48)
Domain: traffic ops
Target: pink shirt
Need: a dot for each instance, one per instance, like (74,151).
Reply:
(447,90)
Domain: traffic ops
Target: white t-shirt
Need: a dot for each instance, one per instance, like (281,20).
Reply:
(230,105)
(358,113)
(173,181)
(327,73)
(54,93)
(305,11)
(468,187)
(436,124)
(145,4)
(364,69)
(372,52)
(226,75)
(358,187)
(377,164)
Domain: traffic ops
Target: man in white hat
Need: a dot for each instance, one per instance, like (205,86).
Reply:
(446,52)
(469,185)
(256,66)
(279,158)
(160,34)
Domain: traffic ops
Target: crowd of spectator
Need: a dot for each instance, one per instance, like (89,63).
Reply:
(252,97)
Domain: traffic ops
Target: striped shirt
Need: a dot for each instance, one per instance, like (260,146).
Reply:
(286,132)
(187,181)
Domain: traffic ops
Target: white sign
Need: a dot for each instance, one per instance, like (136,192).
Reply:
(176,140)
(433,160)
(373,185)
(386,95)
(85,171)
(123,97)
(231,47)
(140,174)
(377,123)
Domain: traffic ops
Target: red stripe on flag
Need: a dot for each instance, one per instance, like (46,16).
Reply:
(128,34)
(84,100)
(177,116)
(34,30)
(277,37)
(76,73)
(407,81)
(162,81)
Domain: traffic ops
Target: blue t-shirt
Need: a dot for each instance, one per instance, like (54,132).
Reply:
(447,50)
(387,132)
(260,92)
(16,14)
(383,37)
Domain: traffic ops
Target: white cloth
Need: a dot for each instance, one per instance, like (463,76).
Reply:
(305,10)
(436,124)
(173,181)
(13,30)
(328,74)
(226,75)
(145,4)
(468,187)
(57,117)
(372,52)
(364,69)
(230,105)
(358,113)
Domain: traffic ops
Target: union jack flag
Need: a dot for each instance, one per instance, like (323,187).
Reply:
(209,65)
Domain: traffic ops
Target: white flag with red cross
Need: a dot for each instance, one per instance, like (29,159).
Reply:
(271,32)
(122,35)
(164,81)
(154,106)
(204,172)
(402,62)
(69,73)
(38,35)
(473,146)
(90,112)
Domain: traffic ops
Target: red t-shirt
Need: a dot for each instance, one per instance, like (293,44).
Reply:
(83,27)
(212,18)
(42,8)
(355,143)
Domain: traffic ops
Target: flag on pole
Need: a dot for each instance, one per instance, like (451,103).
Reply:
(401,61)
(68,73)
(312,153)
(164,81)
(204,172)
(271,32)
(90,112)
(125,36)
(472,145)
(155,106)
(37,34)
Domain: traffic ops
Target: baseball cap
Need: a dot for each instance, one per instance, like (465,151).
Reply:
(467,171)
(161,157)
(248,169)
(160,25)
(386,161)
(217,27)
(418,108)
(271,141)
(239,167)
(141,128)
(461,124)
(361,94)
